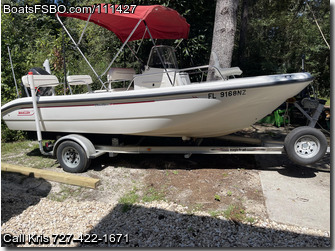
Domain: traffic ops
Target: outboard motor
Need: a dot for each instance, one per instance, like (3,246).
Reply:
(42,91)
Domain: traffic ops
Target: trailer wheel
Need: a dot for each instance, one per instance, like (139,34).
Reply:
(305,145)
(72,157)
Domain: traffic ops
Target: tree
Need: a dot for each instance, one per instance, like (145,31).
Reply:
(278,33)
(243,31)
(224,32)
(269,38)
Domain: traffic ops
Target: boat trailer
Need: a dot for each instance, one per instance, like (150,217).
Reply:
(75,152)
(303,145)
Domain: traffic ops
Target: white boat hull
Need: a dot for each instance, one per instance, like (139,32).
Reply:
(209,109)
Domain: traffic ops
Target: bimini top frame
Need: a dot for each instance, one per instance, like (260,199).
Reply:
(151,21)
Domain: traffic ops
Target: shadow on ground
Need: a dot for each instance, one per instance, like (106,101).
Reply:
(284,166)
(152,227)
(279,163)
(18,192)
(165,161)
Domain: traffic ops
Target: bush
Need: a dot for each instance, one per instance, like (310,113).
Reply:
(8,135)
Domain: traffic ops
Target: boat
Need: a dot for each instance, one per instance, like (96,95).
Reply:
(208,109)
(162,101)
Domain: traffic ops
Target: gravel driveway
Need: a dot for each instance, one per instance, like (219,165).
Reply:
(149,201)
(45,209)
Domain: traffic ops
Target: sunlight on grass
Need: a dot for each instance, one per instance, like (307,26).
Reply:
(25,153)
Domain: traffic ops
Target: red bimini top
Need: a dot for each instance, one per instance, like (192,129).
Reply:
(163,22)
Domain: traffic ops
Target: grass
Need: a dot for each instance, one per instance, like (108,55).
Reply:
(65,192)
(217,197)
(150,194)
(327,100)
(215,214)
(196,208)
(167,173)
(129,199)
(15,146)
(234,212)
(25,153)
(190,229)
(250,220)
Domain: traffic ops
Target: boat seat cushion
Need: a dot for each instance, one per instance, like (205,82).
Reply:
(230,71)
(79,79)
(120,74)
(226,72)
(41,80)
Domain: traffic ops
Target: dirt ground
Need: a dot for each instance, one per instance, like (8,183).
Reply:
(210,183)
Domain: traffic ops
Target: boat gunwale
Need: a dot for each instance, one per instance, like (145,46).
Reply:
(141,97)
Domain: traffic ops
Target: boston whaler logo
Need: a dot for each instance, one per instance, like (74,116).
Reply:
(25,113)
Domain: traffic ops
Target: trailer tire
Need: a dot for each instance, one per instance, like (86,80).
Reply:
(305,145)
(72,157)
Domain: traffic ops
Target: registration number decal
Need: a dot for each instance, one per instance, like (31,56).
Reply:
(227,94)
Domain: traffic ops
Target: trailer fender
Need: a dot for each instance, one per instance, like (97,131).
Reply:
(84,142)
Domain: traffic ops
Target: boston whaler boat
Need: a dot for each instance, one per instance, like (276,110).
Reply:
(162,101)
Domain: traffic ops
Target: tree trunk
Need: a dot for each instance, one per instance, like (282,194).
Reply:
(224,33)
(243,33)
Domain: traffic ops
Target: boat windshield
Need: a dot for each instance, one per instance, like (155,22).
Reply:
(162,54)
